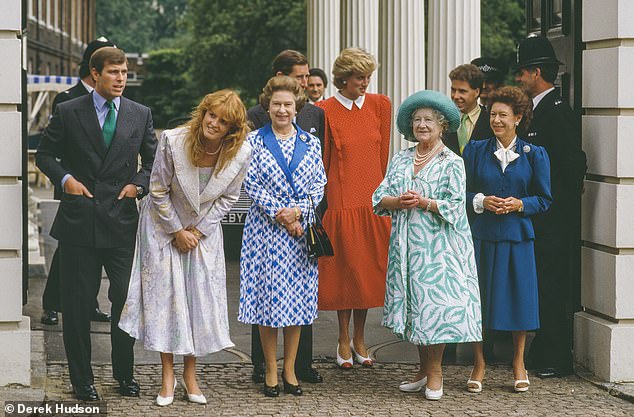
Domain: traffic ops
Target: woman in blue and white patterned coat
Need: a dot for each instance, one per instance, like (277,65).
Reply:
(278,282)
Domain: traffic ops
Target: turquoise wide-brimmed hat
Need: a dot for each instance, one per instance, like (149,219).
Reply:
(426,99)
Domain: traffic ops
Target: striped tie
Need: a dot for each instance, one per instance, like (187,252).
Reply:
(109,125)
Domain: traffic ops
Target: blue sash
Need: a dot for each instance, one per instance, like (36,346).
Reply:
(269,140)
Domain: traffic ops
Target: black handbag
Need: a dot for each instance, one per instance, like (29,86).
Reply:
(318,241)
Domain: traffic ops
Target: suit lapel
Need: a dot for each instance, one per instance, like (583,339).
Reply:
(87,117)
(123,130)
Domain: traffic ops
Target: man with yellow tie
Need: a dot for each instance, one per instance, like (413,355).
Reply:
(466,84)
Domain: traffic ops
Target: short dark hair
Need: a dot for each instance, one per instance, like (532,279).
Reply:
(286,60)
(318,72)
(469,73)
(107,55)
(548,71)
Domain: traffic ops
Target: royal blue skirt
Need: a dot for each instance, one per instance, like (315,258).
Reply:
(508,284)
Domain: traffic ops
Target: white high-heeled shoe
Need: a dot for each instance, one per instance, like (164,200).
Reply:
(163,401)
(434,395)
(344,363)
(525,382)
(361,360)
(415,386)
(194,398)
(473,385)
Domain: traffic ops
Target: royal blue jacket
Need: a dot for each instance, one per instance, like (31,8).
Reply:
(526,178)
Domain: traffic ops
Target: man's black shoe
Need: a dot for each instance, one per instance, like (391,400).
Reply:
(311,375)
(49,317)
(99,315)
(129,388)
(85,392)
(553,372)
(258,374)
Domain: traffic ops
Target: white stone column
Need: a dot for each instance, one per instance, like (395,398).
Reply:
(15,334)
(324,36)
(401,55)
(360,28)
(604,331)
(454,39)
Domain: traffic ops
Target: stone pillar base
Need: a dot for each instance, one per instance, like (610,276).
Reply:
(605,347)
(15,352)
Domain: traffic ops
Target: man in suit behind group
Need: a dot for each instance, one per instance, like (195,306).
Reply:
(99,137)
(51,298)
(466,84)
(311,119)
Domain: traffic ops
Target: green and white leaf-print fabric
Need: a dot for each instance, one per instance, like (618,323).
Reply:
(432,294)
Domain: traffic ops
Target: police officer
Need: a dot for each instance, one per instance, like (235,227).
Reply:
(494,71)
(555,128)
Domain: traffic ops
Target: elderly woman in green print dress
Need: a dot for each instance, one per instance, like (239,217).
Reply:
(432,296)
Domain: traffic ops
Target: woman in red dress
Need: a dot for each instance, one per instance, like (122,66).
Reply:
(356,150)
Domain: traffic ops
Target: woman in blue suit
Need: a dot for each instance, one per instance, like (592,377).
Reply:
(508,181)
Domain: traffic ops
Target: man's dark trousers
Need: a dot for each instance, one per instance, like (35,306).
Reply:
(80,269)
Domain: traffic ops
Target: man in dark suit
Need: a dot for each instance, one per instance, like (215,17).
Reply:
(99,137)
(311,119)
(466,84)
(51,298)
(553,127)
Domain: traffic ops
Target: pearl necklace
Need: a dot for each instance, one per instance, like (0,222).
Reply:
(214,153)
(424,158)
(283,136)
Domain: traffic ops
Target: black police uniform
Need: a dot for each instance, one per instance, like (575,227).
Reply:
(553,127)
(557,237)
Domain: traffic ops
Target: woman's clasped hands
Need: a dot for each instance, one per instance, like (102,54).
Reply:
(412,199)
(185,240)
(288,217)
(499,205)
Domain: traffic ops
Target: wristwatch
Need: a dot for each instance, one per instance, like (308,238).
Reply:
(139,190)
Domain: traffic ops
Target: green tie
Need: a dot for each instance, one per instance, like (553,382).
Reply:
(109,125)
(463,132)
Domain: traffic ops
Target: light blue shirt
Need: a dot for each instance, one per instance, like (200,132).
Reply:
(101,107)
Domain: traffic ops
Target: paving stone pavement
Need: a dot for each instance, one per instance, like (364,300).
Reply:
(360,392)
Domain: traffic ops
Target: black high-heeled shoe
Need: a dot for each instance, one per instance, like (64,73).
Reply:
(290,388)
(273,391)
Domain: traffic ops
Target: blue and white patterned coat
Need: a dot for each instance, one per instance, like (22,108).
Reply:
(278,283)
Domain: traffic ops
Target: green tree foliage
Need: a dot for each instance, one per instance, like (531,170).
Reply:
(232,42)
(165,89)
(503,25)
(140,25)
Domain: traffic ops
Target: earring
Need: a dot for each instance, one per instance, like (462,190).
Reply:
(517,123)
(345,82)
